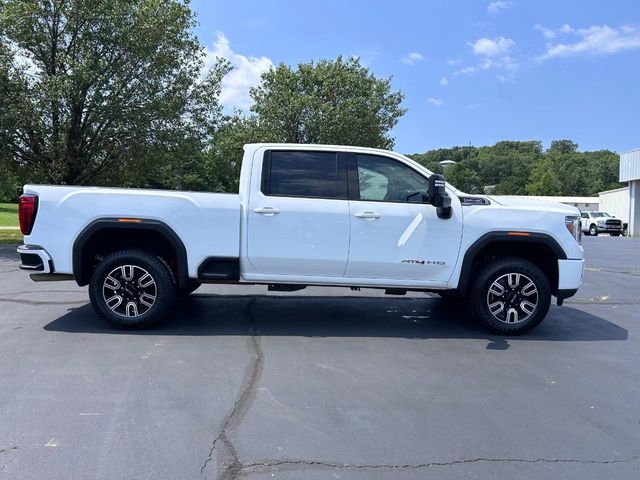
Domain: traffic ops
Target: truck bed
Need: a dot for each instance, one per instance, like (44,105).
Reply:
(209,223)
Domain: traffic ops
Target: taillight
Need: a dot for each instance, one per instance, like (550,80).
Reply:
(27,209)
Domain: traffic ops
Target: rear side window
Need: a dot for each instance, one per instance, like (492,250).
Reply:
(303,174)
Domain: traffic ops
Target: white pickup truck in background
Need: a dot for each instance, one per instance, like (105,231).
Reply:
(306,215)
(594,223)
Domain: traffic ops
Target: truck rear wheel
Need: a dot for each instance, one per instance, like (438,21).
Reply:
(510,295)
(593,230)
(132,289)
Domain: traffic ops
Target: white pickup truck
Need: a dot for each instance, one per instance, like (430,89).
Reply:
(594,223)
(306,215)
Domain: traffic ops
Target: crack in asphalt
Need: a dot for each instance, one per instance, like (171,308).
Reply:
(36,303)
(5,450)
(229,465)
(602,302)
(270,466)
(635,273)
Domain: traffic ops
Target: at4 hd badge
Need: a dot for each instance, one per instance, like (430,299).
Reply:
(424,262)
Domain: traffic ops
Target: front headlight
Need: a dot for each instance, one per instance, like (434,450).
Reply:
(573,225)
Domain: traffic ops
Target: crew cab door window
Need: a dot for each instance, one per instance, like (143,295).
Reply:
(385,180)
(298,215)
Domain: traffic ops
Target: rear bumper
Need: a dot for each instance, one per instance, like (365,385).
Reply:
(35,259)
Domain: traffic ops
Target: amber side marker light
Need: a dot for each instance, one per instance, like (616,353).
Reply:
(129,220)
(519,234)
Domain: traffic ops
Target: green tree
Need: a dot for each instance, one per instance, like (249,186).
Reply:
(8,185)
(463,178)
(223,157)
(457,154)
(563,147)
(543,179)
(335,102)
(96,91)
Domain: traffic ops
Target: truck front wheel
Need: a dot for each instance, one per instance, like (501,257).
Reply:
(510,295)
(191,287)
(132,289)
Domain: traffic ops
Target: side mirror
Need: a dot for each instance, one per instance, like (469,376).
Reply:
(438,197)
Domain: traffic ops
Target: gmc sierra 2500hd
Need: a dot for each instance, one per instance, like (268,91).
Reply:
(306,215)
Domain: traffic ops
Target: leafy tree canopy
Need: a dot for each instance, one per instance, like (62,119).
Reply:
(96,91)
(329,101)
(520,168)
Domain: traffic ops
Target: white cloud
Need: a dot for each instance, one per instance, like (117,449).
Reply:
(566,28)
(452,62)
(435,101)
(594,40)
(470,70)
(547,32)
(509,66)
(411,58)
(498,6)
(245,74)
(473,106)
(366,56)
(492,47)
(444,81)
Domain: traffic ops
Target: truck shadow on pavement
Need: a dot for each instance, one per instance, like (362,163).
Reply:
(312,316)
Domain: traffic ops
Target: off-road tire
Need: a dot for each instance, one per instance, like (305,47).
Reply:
(123,274)
(451,296)
(494,271)
(191,287)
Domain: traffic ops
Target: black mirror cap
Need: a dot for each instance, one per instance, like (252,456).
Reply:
(438,196)
(437,191)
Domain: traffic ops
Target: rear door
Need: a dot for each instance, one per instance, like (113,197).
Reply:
(298,215)
(395,235)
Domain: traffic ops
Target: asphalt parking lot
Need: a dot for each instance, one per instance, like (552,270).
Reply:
(321,383)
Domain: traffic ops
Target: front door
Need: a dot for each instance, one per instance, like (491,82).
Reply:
(298,214)
(394,234)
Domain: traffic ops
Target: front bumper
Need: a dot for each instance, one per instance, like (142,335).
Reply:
(35,258)
(610,228)
(570,273)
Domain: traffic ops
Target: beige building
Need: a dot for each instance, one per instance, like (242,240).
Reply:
(630,172)
(616,202)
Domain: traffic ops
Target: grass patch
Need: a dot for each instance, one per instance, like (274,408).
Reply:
(9,215)
(10,237)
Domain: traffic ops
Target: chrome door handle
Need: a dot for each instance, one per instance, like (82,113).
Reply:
(368,215)
(269,211)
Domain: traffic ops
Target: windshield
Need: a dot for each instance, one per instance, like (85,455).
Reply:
(600,214)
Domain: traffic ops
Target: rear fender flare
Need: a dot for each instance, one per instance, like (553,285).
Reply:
(182,269)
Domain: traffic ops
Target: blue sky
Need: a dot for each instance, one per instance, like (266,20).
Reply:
(472,71)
